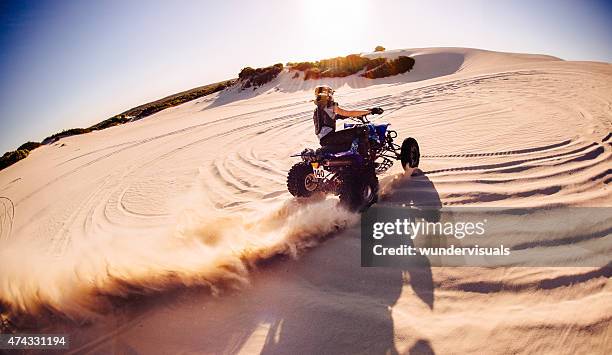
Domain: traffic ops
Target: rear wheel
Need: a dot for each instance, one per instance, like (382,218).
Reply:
(410,153)
(301,181)
(359,189)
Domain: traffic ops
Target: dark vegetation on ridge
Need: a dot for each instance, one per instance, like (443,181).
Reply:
(10,158)
(248,77)
(257,77)
(29,146)
(351,64)
(387,68)
(145,110)
(133,114)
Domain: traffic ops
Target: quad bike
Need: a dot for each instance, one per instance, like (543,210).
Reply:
(341,170)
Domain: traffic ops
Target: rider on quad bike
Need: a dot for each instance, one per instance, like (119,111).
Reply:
(348,160)
(327,112)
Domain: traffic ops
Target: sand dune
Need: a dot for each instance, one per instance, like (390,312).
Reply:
(195,196)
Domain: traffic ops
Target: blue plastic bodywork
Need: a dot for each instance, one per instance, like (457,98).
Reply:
(377,131)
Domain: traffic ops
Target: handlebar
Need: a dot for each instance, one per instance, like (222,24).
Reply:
(361,119)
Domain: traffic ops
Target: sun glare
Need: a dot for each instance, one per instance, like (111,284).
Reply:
(334,25)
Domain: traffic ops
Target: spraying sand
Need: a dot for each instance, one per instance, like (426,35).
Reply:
(195,196)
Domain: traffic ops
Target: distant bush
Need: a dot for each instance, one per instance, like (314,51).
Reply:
(403,64)
(110,122)
(257,77)
(10,158)
(145,110)
(246,73)
(65,133)
(132,114)
(373,63)
(379,49)
(344,66)
(393,67)
(29,146)
(301,66)
(312,73)
(150,108)
(331,68)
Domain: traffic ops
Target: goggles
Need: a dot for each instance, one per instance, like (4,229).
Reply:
(323,91)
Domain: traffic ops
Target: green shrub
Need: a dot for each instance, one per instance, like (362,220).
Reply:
(150,108)
(379,49)
(29,146)
(257,77)
(302,66)
(246,73)
(312,73)
(132,114)
(337,67)
(393,67)
(342,66)
(373,63)
(65,133)
(403,64)
(145,110)
(10,158)
(351,64)
(110,122)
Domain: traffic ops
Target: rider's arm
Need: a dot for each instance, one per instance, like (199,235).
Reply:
(350,113)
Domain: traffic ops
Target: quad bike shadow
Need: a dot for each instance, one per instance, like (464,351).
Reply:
(343,171)
(333,326)
(411,189)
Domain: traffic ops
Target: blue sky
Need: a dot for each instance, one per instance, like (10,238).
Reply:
(66,64)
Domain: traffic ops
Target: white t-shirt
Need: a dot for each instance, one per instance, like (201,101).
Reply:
(326,130)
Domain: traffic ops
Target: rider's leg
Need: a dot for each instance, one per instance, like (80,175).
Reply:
(346,136)
(364,143)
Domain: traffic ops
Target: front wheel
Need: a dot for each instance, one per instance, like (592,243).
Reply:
(301,181)
(359,189)
(410,153)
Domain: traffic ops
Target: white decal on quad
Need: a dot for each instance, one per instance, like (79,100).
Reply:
(319,172)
